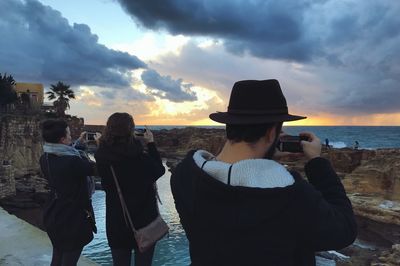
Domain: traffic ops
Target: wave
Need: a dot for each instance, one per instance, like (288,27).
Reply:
(338,144)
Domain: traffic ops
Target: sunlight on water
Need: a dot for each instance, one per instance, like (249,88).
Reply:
(172,250)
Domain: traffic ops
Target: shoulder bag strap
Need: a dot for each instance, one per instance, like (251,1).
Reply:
(229,174)
(123,204)
(204,163)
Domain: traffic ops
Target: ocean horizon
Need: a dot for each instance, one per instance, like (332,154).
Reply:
(368,137)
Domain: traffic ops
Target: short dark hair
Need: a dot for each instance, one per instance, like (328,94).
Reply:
(249,133)
(53,130)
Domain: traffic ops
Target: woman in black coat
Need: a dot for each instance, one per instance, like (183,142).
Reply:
(136,171)
(68,214)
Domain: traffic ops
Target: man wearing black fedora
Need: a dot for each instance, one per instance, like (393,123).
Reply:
(240,207)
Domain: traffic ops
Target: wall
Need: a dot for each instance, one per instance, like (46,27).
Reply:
(7,181)
(20,146)
(20,142)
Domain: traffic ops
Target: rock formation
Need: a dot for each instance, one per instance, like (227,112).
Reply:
(20,150)
(175,143)
(389,257)
(20,142)
(378,175)
(7,180)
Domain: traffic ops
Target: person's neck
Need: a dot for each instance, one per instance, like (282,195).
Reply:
(234,152)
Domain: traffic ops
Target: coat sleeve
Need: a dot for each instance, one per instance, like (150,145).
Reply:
(152,163)
(183,185)
(333,226)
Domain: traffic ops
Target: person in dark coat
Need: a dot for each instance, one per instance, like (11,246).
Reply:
(136,171)
(241,207)
(327,143)
(356,145)
(68,214)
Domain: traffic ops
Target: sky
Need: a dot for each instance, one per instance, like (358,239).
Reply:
(173,62)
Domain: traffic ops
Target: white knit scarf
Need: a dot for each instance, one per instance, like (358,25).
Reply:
(260,173)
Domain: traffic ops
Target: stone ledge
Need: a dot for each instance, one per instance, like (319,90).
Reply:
(24,244)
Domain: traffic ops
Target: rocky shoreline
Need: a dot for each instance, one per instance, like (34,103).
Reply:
(371,178)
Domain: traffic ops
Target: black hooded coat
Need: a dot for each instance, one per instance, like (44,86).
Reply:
(236,225)
(65,214)
(136,171)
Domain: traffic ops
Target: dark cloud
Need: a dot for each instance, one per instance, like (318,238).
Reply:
(266,28)
(38,44)
(168,88)
(126,94)
(360,93)
(300,31)
(353,47)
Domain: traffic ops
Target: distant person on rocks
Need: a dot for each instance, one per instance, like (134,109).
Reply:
(327,143)
(241,207)
(68,215)
(29,99)
(136,172)
(356,145)
(25,100)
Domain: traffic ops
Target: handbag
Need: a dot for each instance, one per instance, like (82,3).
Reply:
(145,237)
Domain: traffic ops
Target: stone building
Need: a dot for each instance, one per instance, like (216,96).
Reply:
(35,92)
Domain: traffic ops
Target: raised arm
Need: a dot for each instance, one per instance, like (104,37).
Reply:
(153,159)
(333,224)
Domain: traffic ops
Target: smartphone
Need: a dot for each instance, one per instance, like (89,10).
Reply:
(90,136)
(291,143)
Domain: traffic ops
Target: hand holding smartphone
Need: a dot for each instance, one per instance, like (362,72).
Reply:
(306,143)
(312,147)
(145,134)
(91,136)
(289,143)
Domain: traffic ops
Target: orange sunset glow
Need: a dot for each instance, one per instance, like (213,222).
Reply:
(371,120)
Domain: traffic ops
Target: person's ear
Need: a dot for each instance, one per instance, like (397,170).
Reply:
(63,140)
(270,134)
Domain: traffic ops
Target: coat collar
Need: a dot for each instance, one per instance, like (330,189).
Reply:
(256,173)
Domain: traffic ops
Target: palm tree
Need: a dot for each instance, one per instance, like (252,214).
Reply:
(8,94)
(8,79)
(62,93)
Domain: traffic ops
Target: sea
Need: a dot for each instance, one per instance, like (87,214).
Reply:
(173,249)
(368,137)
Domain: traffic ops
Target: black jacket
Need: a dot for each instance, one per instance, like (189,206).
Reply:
(232,225)
(136,172)
(65,214)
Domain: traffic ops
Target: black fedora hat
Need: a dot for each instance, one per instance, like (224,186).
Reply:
(256,102)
